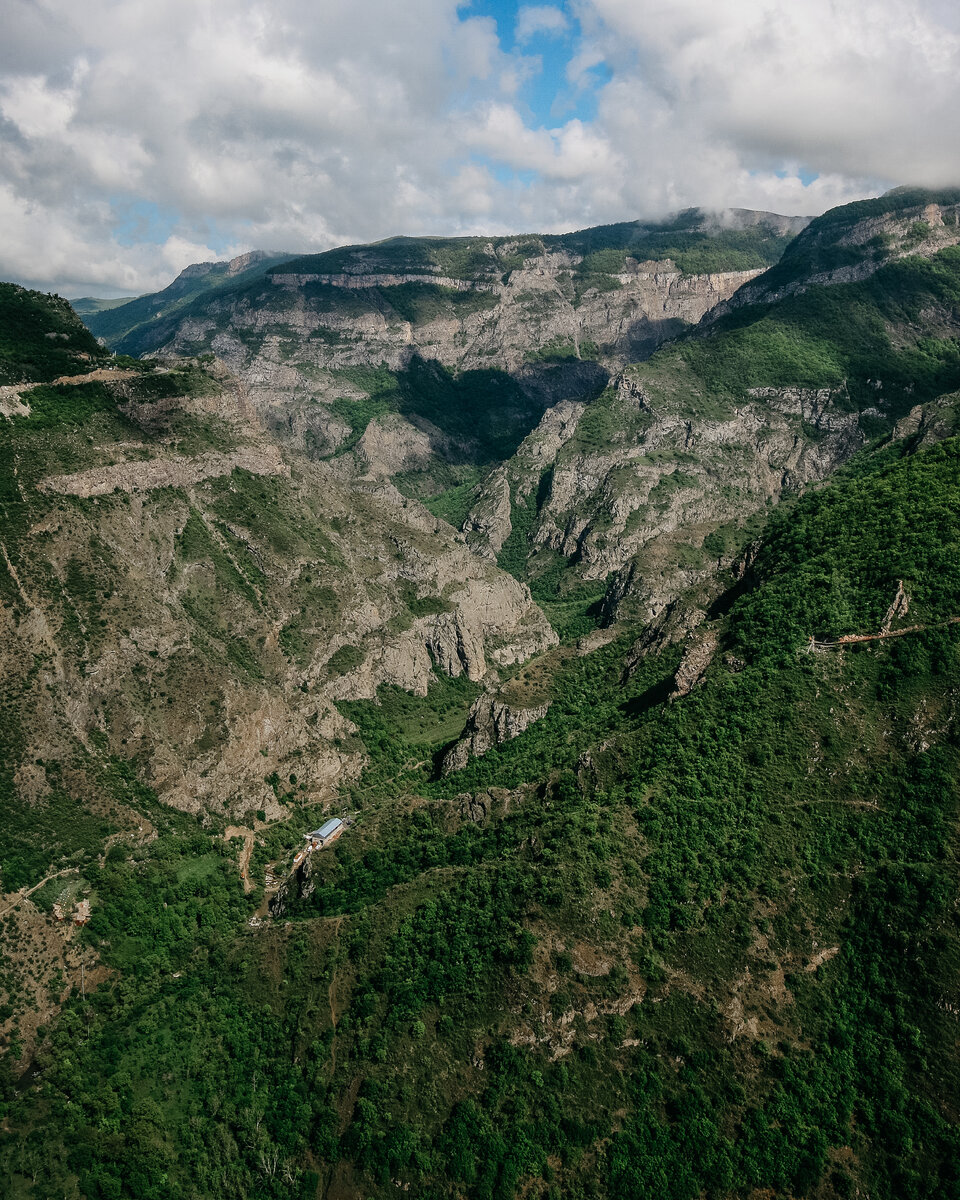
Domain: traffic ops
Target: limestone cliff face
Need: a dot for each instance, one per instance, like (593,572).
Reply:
(489,523)
(297,341)
(490,723)
(199,611)
(848,245)
(512,321)
(630,487)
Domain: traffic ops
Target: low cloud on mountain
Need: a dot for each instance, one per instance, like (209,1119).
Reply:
(137,138)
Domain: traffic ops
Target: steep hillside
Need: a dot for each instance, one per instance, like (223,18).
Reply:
(184,604)
(41,338)
(465,341)
(634,684)
(126,323)
(700,947)
(854,241)
(660,479)
(88,306)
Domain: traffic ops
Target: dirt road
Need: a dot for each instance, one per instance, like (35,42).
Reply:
(245,852)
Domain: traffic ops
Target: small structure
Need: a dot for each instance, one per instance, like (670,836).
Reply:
(81,914)
(328,832)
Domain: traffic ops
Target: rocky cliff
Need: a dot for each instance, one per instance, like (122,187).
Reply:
(490,722)
(552,314)
(183,593)
(853,242)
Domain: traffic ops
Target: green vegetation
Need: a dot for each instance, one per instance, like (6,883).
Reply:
(41,338)
(486,410)
(846,336)
(696,947)
(558,349)
(34,835)
(87,306)
(694,249)
(688,240)
(452,257)
(382,396)
(344,660)
(448,490)
(56,407)
(419,303)
(819,248)
(403,732)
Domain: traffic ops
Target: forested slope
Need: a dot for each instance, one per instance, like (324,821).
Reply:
(692,933)
(706,946)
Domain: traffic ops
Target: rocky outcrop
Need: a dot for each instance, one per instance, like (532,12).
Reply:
(202,602)
(489,522)
(163,472)
(632,487)
(926,424)
(298,885)
(391,444)
(697,657)
(492,622)
(845,247)
(531,315)
(11,403)
(489,723)
(359,281)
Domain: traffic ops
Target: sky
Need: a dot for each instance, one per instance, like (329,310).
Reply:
(138,137)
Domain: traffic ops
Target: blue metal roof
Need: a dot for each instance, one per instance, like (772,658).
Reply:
(327,828)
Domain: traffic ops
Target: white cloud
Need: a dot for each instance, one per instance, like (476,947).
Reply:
(865,91)
(534,19)
(307,123)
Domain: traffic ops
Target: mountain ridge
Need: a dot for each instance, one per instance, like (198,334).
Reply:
(646,884)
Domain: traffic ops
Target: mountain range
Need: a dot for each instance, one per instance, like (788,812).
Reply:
(605,585)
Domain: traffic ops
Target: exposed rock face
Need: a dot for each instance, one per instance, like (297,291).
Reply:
(492,622)
(899,607)
(298,885)
(863,245)
(535,307)
(693,666)
(11,405)
(674,624)
(929,423)
(490,723)
(162,472)
(296,343)
(630,486)
(391,444)
(216,593)
(489,522)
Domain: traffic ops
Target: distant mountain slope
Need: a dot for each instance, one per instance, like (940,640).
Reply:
(115,322)
(646,487)
(680,921)
(88,306)
(430,359)
(697,242)
(853,241)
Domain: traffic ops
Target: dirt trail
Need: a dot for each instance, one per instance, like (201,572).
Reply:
(24,893)
(99,375)
(851,639)
(233,831)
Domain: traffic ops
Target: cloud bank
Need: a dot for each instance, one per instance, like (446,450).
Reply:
(138,137)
